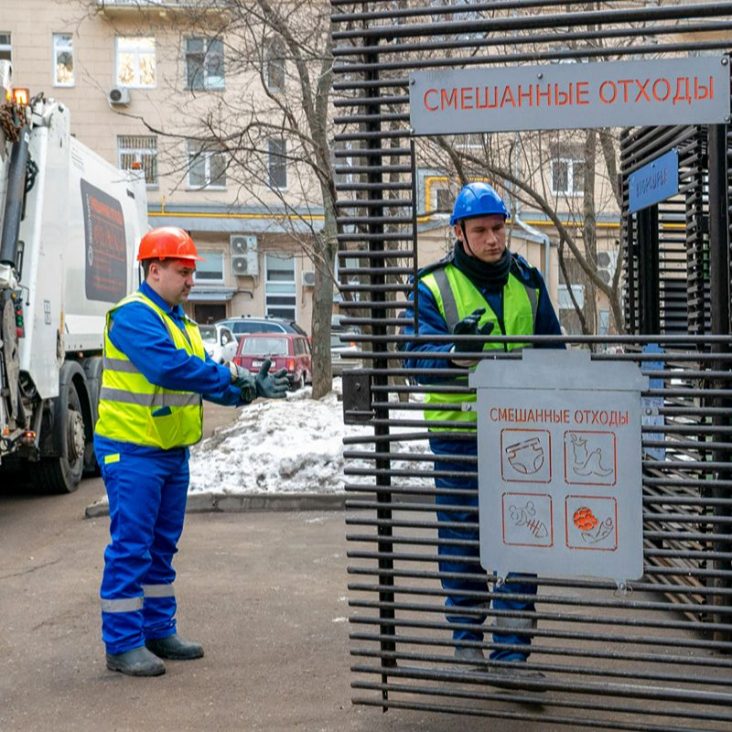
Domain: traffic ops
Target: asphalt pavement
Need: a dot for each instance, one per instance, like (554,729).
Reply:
(265,592)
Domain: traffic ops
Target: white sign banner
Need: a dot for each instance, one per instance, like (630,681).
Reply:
(571,96)
(559,465)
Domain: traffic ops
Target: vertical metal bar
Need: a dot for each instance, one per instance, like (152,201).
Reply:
(719,285)
(719,230)
(380,378)
(697,244)
(631,249)
(648,275)
(415,258)
(628,245)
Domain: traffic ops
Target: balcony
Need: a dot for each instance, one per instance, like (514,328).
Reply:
(161,7)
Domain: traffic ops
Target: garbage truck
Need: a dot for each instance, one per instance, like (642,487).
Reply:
(69,224)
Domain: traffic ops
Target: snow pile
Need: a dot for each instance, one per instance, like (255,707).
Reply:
(292,445)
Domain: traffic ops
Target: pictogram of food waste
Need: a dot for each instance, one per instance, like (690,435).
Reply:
(591,522)
(527,519)
(590,457)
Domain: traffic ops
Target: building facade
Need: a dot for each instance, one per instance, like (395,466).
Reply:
(148,81)
(140,80)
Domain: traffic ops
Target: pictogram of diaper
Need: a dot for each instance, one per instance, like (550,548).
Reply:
(526,457)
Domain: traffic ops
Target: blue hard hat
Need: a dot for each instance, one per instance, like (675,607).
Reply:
(477,199)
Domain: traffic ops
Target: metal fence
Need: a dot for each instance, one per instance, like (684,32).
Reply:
(654,654)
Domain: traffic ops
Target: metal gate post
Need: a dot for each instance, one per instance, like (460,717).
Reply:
(380,379)
(719,285)
(650,317)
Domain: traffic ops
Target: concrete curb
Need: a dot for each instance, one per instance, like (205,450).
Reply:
(226,503)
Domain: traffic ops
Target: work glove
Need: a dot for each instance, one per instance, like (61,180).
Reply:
(274,386)
(469,326)
(244,381)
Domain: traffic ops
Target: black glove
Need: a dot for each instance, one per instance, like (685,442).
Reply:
(272,387)
(469,326)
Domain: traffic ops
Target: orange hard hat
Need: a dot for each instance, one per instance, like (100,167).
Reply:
(167,242)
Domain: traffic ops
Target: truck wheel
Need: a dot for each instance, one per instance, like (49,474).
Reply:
(62,474)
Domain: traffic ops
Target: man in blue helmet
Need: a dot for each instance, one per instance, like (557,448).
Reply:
(480,288)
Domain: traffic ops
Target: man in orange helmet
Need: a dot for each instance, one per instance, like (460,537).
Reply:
(156,372)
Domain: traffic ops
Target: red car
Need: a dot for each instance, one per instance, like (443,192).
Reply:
(289,351)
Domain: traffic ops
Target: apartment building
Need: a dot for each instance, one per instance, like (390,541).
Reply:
(147,80)
(141,79)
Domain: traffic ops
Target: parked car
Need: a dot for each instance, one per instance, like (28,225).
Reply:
(246,324)
(219,342)
(340,346)
(337,324)
(289,351)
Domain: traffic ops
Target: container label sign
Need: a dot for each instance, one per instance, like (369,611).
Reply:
(106,248)
(570,96)
(654,182)
(559,465)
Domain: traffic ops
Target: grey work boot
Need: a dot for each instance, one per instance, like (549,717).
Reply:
(469,654)
(174,648)
(472,657)
(137,662)
(515,675)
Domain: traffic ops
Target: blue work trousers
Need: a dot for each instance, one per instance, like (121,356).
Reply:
(458,556)
(147,502)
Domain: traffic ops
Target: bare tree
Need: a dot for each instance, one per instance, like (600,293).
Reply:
(495,158)
(273,115)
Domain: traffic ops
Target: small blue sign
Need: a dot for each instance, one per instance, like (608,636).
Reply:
(654,182)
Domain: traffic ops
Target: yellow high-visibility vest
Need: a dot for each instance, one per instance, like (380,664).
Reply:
(456,298)
(132,409)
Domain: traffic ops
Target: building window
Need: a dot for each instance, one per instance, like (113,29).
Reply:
(63,60)
(211,269)
(137,152)
(5,47)
(603,322)
(280,290)
(136,61)
(565,301)
(441,199)
(206,166)
(444,200)
(275,65)
(204,64)
(568,176)
(469,141)
(277,163)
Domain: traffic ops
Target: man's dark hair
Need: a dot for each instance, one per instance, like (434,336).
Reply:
(147,262)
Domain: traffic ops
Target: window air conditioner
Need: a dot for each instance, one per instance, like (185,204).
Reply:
(240,244)
(606,264)
(119,96)
(240,265)
(244,255)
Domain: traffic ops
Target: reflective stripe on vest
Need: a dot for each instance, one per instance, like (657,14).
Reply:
(456,298)
(132,409)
